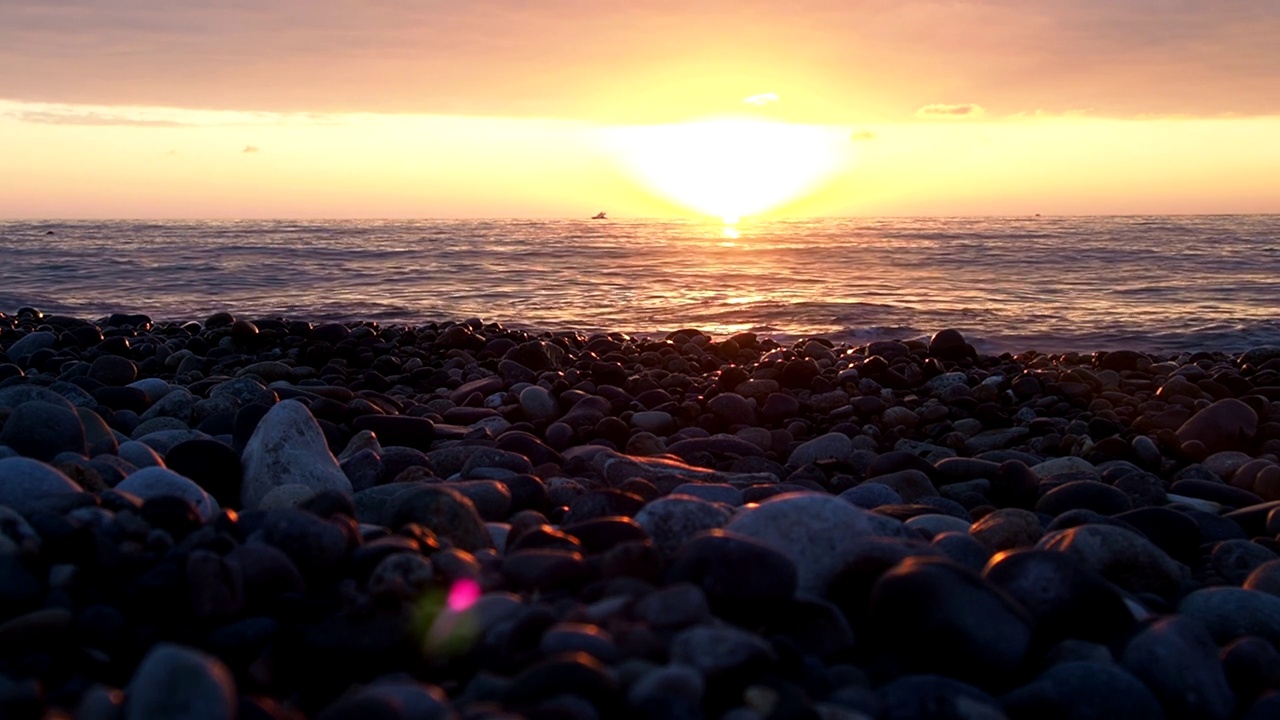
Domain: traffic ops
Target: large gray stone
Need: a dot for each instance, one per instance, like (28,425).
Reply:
(1123,557)
(1231,612)
(175,682)
(288,448)
(672,520)
(818,532)
(28,485)
(154,482)
(832,446)
(1178,660)
(28,344)
(40,430)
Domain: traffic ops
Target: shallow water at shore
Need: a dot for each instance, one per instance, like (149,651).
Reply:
(1153,283)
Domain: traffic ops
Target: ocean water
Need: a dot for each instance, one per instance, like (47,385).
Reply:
(1050,284)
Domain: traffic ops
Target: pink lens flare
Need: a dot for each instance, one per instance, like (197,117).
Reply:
(463,595)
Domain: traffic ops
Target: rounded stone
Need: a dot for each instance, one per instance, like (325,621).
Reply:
(1178,660)
(539,404)
(445,511)
(1230,613)
(1227,424)
(28,485)
(1083,690)
(288,448)
(817,532)
(673,520)
(1084,494)
(1123,557)
(157,482)
(41,430)
(922,600)
(1265,578)
(174,682)
(1234,560)
(1007,529)
(742,578)
(113,370)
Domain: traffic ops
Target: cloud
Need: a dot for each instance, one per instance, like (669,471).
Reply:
(761,100)
(940,110)
(614,62)
(862,136)
(74,117)
(250,149)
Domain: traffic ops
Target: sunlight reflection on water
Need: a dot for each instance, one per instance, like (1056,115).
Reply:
(1015,283)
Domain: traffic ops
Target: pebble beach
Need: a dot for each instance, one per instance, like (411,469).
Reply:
(264,518)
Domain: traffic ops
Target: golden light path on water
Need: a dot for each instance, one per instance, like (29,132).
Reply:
(731,168)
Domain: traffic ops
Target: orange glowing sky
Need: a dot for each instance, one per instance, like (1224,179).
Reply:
(406,108)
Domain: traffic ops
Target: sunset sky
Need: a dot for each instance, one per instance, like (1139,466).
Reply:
(561,108)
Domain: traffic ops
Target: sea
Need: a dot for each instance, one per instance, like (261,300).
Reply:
(1164,284)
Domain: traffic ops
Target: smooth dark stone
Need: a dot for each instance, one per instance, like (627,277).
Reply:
(317,546)
(527,493)
(212,465)
(1234,560)
(41,430)
(603,503)
(408,431)
(599,534)
(397,458)
(914,697)
(1014,485)
(1251,665)
(1178,660)
(445,511)
(896,461)
(1215,491)
(1084,495)
(922,600)
(1083,691)
(545,569)
(1173,532)
(1066,599)
(743,579)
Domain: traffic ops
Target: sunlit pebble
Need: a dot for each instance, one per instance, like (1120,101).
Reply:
(463,594)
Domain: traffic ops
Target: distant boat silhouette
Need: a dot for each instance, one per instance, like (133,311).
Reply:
(599,216)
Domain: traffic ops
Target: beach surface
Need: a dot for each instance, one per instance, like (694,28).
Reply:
(259,517)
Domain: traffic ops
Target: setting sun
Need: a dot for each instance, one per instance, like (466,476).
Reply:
(731,168)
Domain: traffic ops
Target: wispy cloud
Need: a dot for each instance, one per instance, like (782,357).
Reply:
(862,136)
(74,117)
(250,149)
(150,116)
(762,99)
(944,111)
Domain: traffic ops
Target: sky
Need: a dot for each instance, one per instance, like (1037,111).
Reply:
(562,108)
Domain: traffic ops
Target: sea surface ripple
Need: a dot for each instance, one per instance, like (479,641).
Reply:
(1160,283)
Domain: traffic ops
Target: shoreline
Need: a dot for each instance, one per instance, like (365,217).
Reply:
(339,518)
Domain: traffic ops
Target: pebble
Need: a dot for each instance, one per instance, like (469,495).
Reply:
(685,520)
(40,430)
(1123,557)
(1227,424)
(288,448)
(673,520)
(174,682)
(817,532)
(922,600)
(28,486)
(155,482)
(1177,659)
(1230,613)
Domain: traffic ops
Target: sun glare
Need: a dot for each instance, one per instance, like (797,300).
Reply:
(732,168)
